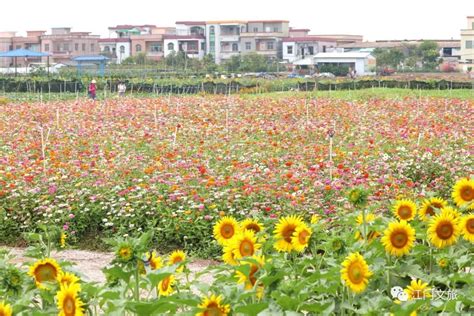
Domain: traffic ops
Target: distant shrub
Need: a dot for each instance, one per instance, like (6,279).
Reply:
(4,101)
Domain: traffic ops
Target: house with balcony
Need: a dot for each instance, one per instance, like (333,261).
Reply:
(151,44)
(223,39)
(116,49)
(467,46)
(10,41)
(300,47)
(264,37)
(63,45)
(189,38)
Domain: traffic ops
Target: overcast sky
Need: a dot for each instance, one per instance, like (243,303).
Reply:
(374,19)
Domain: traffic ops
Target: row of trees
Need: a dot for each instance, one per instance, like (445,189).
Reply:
(251,62)
(424,56)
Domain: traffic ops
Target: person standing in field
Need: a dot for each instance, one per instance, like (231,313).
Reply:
(121,89)
(92,89)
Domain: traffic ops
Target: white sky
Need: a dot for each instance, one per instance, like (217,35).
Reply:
(374,19)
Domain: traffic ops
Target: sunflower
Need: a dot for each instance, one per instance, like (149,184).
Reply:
(443,262)
(155,261)
(429,207)
(251,224)
(5,309)
(300,238)
(62,239)
(176,257)
(443,229)
(125,253)
(404,210)
(284,231)
(467,227)
(355,272)
(448,209)
(66,278)
(255,266)
(398,238)
(245,244)
(225,229)
(11,279)
(165,287)
(211,306)
(69,303)
(369,218)
(45,270)
(371,234)
(418,290)
(229,256)
(463,193)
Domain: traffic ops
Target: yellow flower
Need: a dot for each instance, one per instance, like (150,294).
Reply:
(69,303)
(62,239)
(355,272)
(176,257)
(398,238)
(212,306)
(155,261)
(315,218)
(443,262)
(443,229)
(284,231)
(5,309)
(229,256)
(251,224)
(250,280)
(463,193)
(371,235)
(404,210)
(245,244)
(66,278)
(448,209)
(369,218)
(418,290)
(301,236)
(429,207)
(225,229)
(125,253)
(46,270)
(165,287)
(467,227)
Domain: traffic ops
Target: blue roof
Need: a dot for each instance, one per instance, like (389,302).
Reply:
(91,58)
(22,53)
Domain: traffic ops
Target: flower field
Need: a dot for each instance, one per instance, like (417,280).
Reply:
(314,205)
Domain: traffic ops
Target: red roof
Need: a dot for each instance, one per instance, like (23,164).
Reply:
(184,37)
(268,21)
(114,40)
(191,22)
(299,30)
(309,39)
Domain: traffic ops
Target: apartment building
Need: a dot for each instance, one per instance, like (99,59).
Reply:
(223,39)
(188,38)
(152,44)
(10,41)
(467,46)
(63,45)
(300,47)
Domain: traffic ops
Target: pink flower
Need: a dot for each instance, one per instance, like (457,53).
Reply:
(65,227)
(52,189)
(72,215)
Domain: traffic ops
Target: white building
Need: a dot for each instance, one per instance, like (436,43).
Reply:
(295,48)
(117,49)
(193,45)
(223,39)
(363,63)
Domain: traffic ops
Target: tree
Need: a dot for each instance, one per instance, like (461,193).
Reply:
(392,57)
(253,62)
(428,51)
(232,64)
(208,63)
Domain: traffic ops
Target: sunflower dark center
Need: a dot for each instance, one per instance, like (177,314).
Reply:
(303,237)
(356,273)
(212,310)
(165,284)
(399,239)
(288,232)
(227,231)
(445,230)
(404,212)
(467,193)
(246,248)
(46,272)
(253,227)
(69,306)
(470,225)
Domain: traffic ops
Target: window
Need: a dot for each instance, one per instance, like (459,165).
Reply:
(255,29)
(311,50)
(203,46)
(469,44)
(275,29)
(107,49)
(122,49)
(269,45)
(289,49)
(92,47)
(138,48)
(324,48)
(248,45)
(170,46)
(235,47)
(46,47)
(156,47)
(83,47)
(18,46)
(76,47)
(66,47)
(473,25)
(192,46)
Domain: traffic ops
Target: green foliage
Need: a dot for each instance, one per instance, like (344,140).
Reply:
(388,57)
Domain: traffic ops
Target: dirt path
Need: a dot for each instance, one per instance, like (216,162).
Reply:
(88,264)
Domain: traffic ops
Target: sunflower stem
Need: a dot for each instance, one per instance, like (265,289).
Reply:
(364,222)
(389,261)
(137,284)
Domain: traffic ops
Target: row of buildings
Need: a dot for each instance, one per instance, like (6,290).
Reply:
(221,39)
